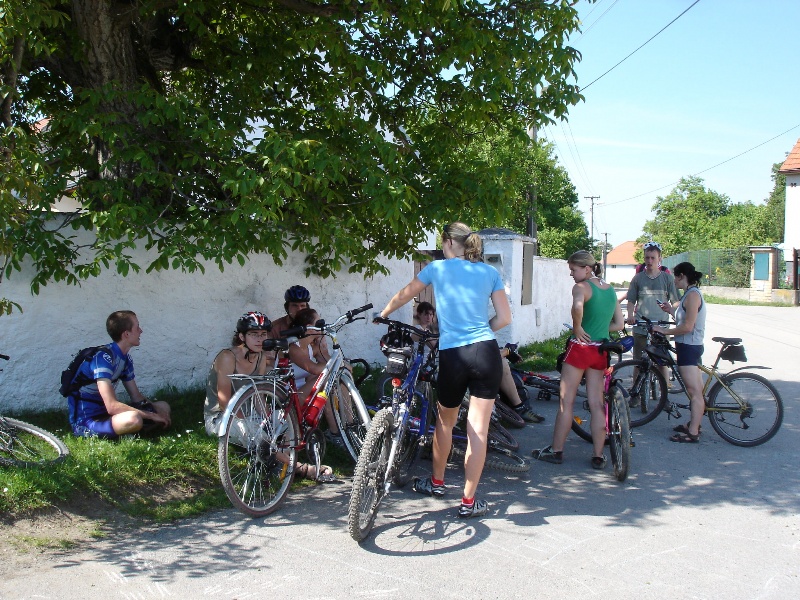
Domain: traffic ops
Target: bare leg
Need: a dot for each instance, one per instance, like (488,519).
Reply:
(570,380)
(478,419)
(694,389)
(594,391)
(443,440)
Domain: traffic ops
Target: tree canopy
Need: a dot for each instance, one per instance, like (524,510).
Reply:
(209,130)
(692,217)
(533,169)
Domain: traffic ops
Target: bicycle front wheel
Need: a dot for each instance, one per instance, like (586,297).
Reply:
(26,445)
(257,451)
(748,413)
(647,389)
(350,413)
(619,432)
(369,480)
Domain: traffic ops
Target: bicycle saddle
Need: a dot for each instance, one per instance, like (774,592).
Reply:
(728,341)
(615,347)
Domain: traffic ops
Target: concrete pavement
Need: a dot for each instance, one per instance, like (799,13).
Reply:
(692,521)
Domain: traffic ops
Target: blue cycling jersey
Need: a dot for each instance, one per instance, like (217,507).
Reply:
(109,364)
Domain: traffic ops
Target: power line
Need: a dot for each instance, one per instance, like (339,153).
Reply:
(597,20)
(705,170)
(640,47)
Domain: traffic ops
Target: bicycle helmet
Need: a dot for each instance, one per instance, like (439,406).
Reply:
(297,293)
(253,320)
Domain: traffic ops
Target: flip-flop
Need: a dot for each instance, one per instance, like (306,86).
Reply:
(685,438)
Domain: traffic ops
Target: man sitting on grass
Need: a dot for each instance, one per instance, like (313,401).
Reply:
(94,409)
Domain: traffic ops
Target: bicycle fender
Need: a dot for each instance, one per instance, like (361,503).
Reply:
(747,368)
(223,424)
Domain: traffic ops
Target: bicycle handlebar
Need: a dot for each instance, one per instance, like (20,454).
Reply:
(406,326)
(320,326)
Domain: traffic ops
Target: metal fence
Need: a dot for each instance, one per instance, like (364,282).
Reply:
(720,266)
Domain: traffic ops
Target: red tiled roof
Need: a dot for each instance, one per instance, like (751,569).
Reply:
(792,162)
(622,254)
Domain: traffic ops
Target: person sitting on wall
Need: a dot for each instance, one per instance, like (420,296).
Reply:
(94,410)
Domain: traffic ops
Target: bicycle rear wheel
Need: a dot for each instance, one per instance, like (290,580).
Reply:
(619,434)
(353,423)
(497,457)
(507,415)
(257,450)
(647,391)
(26,445)
(369,480)
(749,414)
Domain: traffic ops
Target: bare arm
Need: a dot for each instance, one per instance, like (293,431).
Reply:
(403,297)
(298,354)
(691,305)
(224,365)
(579,297)
(502,310)
(618,321)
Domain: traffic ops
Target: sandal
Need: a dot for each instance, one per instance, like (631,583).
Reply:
(685,438)
(685,429)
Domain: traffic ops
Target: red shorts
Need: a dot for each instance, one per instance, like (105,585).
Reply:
(585,356)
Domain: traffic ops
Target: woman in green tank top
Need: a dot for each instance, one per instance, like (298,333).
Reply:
(595,312)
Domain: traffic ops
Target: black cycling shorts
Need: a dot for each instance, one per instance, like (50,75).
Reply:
(476,367)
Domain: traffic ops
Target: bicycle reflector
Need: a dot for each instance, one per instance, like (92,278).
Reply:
(397,382)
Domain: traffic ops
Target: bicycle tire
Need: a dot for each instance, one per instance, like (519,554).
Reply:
(369,479)
(347,414)
(257,452)
(497,434)
(582,419)
(619,435)
(649,401)
(25,445)
(507,415)
(497,457)
(762,400)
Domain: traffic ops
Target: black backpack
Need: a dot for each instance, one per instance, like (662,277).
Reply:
(70,381)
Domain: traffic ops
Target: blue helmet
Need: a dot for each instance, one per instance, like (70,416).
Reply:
(297,293)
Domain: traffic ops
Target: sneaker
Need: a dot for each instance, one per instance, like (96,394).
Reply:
(335,439)
(548,455)
(528,415)
(599,462)
(426,486)
(478,509)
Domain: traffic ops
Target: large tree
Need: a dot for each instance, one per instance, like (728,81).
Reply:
(692,217)
(214,129)
(539,187)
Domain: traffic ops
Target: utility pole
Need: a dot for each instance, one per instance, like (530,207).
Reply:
(591,214)
(531,229)
(605,255)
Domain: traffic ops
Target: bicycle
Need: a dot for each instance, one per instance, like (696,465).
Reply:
(399,431)
(616,411)
(25,445)
(267,422)
(744,408)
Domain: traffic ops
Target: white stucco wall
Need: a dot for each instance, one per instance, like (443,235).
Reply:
(792,229)
(551,295)
(188,317)
(618,274)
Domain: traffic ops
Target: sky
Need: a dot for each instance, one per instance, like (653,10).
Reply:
(720,80)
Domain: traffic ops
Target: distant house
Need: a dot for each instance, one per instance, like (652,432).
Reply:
(791,237)
(620,264)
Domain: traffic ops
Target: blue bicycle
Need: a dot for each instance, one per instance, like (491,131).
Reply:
(399,431)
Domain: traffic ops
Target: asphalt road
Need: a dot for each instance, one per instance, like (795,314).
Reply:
(692,521)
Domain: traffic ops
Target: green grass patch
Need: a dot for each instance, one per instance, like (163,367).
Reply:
(25,543)
(711,299)
(541,356)
(160,477)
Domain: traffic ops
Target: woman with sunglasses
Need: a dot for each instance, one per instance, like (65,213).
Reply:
(690,325)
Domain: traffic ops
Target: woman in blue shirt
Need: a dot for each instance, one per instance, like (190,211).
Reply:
(469,357)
